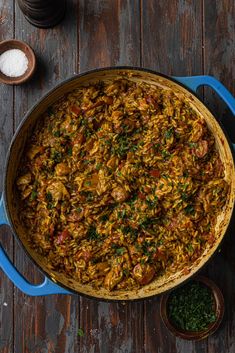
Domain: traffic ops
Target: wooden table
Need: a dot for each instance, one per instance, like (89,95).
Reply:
(184,37)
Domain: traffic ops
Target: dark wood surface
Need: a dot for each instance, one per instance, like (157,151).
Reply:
(184,37)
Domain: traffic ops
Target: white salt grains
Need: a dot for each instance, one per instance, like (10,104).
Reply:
(13,62)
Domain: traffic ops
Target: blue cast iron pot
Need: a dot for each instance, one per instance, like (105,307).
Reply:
(57,283)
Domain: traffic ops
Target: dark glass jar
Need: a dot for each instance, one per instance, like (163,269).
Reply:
(43,13)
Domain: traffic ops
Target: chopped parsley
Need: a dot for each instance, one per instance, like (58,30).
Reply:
(104,217)
(34,195)
(87,183)
(98,166)
(56,133)
(169,133)
(120,251)
(122,214)
(152,203)
(189,210)
(165,154)
(48,196)
(56,156)
(191,307)
(70,151)
(92,233)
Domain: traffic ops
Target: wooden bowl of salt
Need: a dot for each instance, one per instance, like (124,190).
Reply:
(17,62)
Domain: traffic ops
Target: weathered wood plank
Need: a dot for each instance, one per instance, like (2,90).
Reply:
(219,61)
(171,44)
(171,36)
(109,31)
(109,35)
(6,130)
(45,324)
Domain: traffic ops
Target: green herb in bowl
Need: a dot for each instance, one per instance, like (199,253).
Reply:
(194,310)
(192,307)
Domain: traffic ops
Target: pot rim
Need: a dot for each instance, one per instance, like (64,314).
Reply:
(8,157)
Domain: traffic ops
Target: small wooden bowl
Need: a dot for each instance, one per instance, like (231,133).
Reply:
(17,44)
(195,335)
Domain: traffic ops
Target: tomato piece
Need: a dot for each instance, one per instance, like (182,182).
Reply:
(154,173)
(62,236)
(51,230)
(78,139)
(141,196)
(76,110)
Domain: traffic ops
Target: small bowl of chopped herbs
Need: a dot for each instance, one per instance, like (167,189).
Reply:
(194,310)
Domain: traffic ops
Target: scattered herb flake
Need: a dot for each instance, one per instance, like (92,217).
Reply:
(56,133)
(92,233)
(49,196)
(70,151)
(189,210)
(80,332)
(120,251)
(34,195)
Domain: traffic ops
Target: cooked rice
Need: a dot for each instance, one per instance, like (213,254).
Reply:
(120,182)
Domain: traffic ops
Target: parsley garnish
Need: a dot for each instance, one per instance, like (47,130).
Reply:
(169,133)
(92,233)
(56,133)
(189,209)
(191,307)
(49,196)
(56,156)
(70,151)
(120,251)
(34,195)
(104,218)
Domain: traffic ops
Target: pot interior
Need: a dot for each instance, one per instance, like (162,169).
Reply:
(168,280)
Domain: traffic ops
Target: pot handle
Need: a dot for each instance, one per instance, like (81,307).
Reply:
(45,288)
(194,82)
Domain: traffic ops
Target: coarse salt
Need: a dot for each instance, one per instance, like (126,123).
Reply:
(13,62)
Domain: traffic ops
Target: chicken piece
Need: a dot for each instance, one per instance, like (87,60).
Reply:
(113,277)
(160,254)
(116,115)
(103,183)
(57,190)
(181,222)
(95,148)
(62,169)
(143,105)
(135,253)
(108,100)
(98,270)
(197,131)
(33,151)
(79,139)
(26,192)
(68,125)
(24,180)
(143,273)
(201,150)
(112,162)
(120,194)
